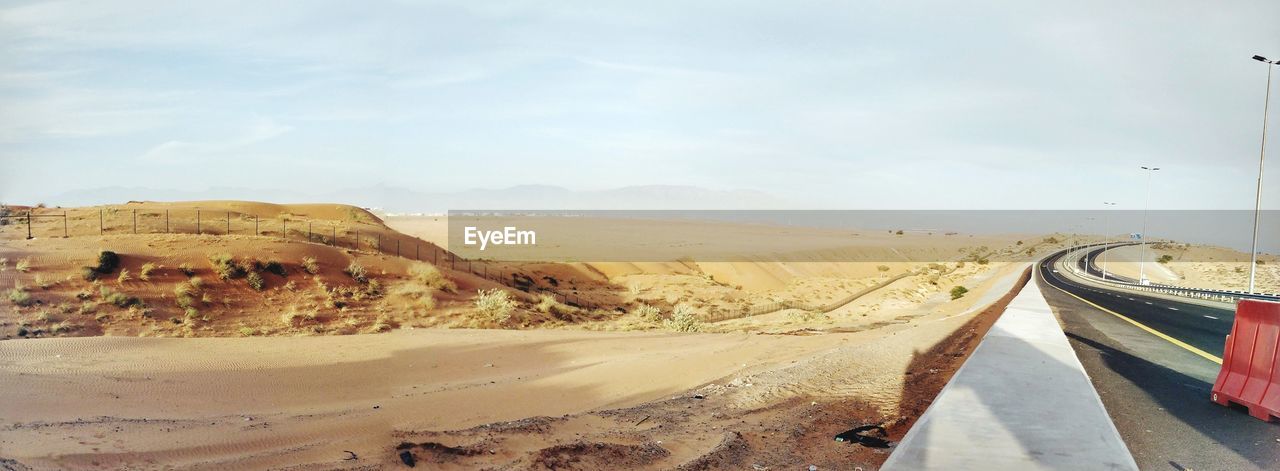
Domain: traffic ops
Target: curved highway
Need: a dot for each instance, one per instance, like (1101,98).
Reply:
(1153,362)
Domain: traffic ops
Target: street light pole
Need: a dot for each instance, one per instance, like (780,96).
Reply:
(1142,256)
(1106,237)
(1262,154)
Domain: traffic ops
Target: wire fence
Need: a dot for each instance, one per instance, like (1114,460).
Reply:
(352,235)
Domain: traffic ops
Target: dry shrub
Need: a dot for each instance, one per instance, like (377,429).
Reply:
(495,305)
(356,271)
(547,304)
(418,296)
(430,277)
(225,266)
(147,269)
(647,312)
(310,265)
(683,319)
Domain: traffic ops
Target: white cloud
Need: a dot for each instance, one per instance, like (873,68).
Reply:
(178,151)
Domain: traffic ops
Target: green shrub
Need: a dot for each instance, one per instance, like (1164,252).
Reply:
(275,268)
(958,292)
(882,268)
(20,297)
(495,305)
(187,269)
(123,300)
(255,281)
(225,266)
(1166,258)
(683,319)
(107,262)
(23,265)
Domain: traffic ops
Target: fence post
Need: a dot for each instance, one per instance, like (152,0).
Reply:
(166,221)
(29,224)
(228,222)
(100,229)
(284,228)
(135,221)
(417,251)
(309,238)
(64,225)
(197,222)
(357,244)
(255,226)
(397,247)
(334,242)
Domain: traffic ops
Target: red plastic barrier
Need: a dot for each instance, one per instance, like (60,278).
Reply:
(1250,374)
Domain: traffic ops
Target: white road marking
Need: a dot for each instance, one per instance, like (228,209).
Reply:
(1211,317)
(1171,308)
(1148,302)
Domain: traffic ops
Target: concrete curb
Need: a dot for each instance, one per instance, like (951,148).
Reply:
(1021,401)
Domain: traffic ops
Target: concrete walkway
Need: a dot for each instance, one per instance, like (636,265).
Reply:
(1021,401)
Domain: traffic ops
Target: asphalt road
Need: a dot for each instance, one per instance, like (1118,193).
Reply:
(1158,392)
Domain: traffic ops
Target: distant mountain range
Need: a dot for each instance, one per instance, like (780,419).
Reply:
(403,200)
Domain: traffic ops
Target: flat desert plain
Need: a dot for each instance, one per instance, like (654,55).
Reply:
(347,355)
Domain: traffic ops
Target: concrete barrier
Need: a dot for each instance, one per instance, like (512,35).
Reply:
(1021,401)
(1250,361)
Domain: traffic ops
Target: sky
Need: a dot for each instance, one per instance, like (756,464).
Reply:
(918,104)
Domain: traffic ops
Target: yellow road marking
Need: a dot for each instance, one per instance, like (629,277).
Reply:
(1184,345)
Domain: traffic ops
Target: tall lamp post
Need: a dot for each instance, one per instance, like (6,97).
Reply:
(1257,202)
(1106,238)
(1142,257)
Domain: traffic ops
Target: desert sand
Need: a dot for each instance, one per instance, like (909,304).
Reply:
(324,370)
(1195,266)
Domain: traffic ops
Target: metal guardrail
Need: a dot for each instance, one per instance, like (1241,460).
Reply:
(1072,257)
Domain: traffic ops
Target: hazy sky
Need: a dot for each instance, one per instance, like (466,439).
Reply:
(899,104)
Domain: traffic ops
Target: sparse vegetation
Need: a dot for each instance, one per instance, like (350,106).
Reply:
(431,277)
(1166,258)
(23,265)
(683,319)
(225,266)
(147,269)
(958,292)
(647,312)
(882,268)
(547,304)
(356,271)
(4,262)
(124,276)
(255,281)
(275,268)
(43,283)
(187,269)
(310,265)
(19,297)
(495,305)
(107,262)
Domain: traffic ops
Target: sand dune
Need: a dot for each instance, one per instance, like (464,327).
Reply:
(272,377)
